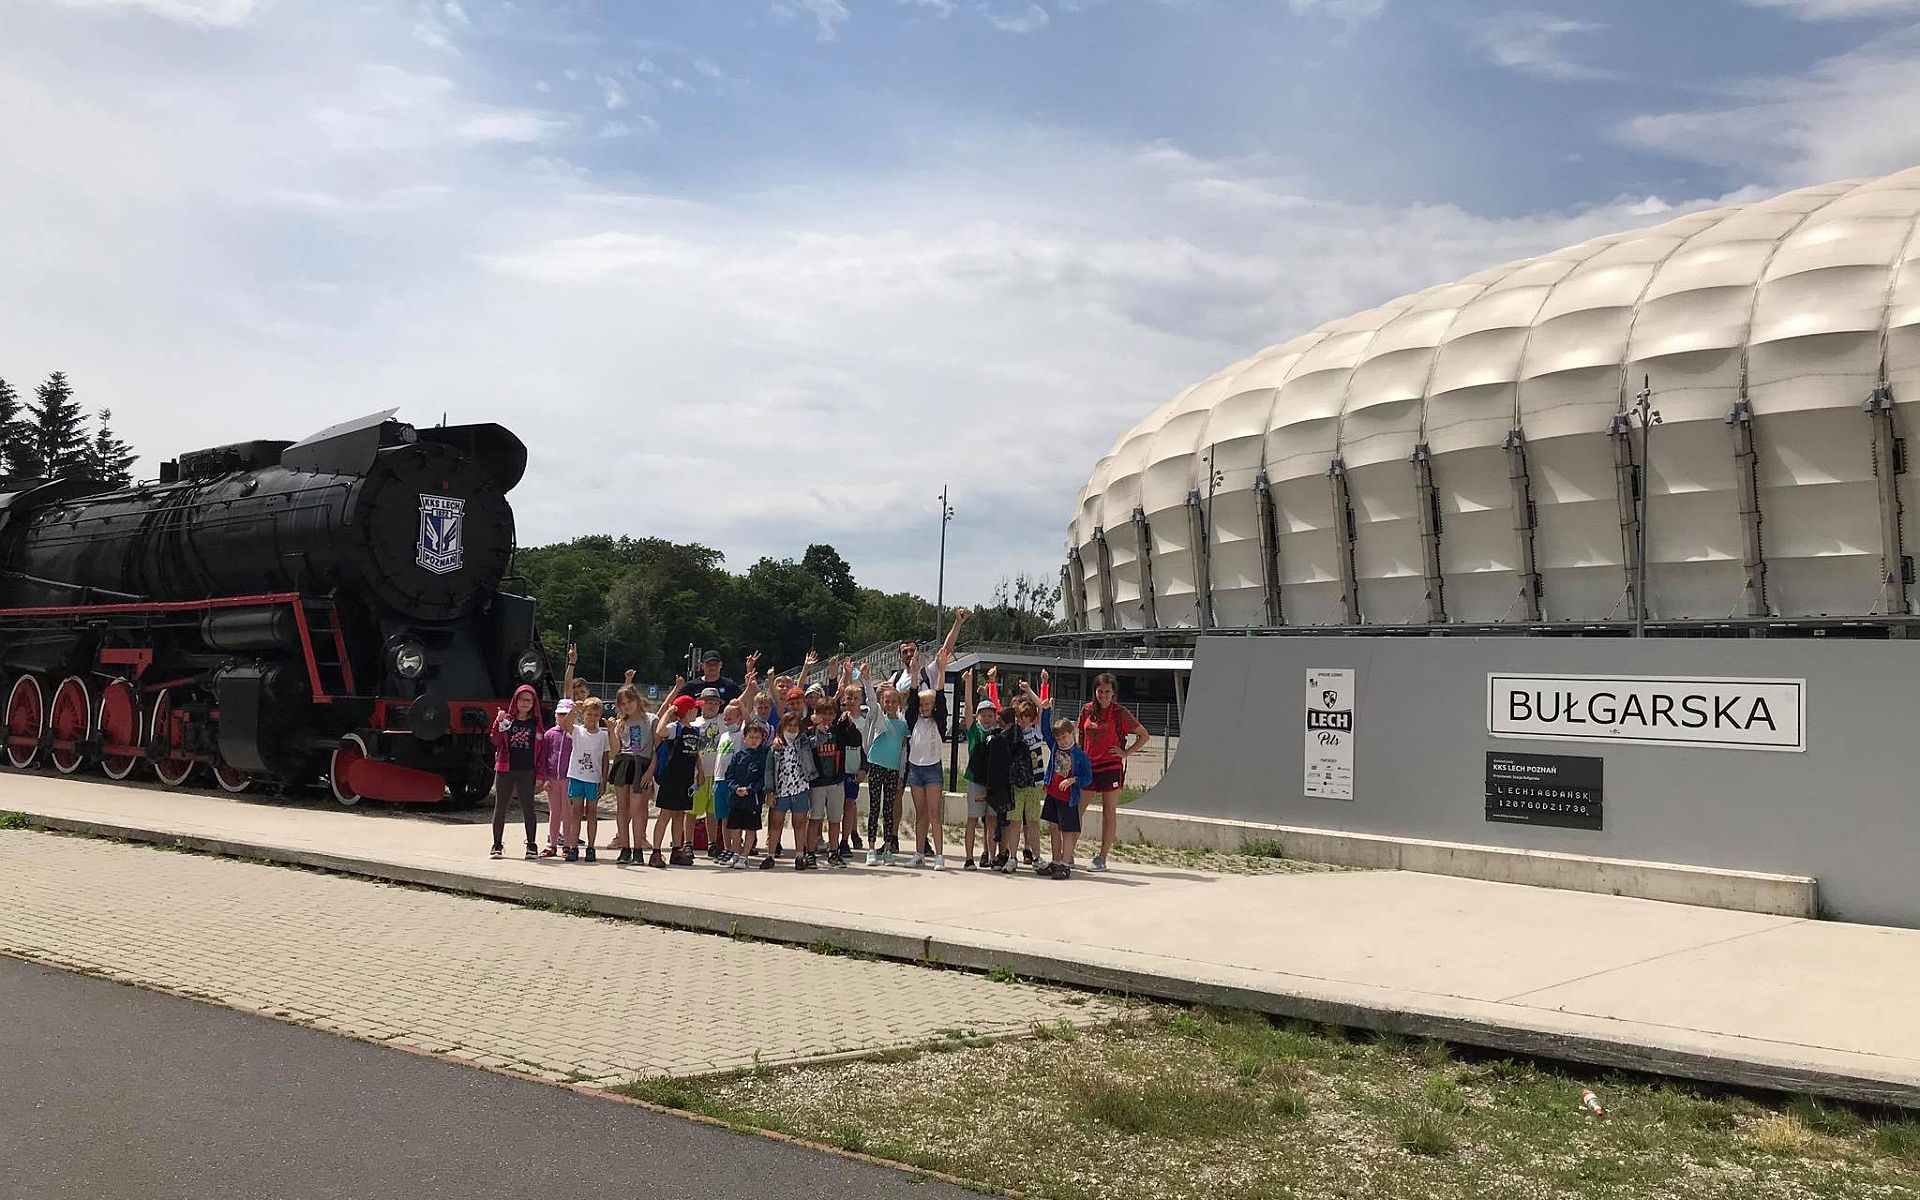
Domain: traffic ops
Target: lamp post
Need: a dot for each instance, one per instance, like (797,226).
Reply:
(1215,477)
(940,590)
(1649,417)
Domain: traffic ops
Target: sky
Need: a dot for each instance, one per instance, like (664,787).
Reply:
(759,273)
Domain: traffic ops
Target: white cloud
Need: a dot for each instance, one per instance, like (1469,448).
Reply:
(1535,43)
(1842,118)
(1839,10)
(1352,12)
(1028,18)
(302,237)
(828,15)
(225,13)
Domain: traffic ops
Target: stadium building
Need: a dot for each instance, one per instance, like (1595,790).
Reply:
(1469,458)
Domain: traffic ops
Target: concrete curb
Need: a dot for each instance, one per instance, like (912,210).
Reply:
(1364,1008)
(1675,883)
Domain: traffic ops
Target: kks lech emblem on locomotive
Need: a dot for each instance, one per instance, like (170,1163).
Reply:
(442,544)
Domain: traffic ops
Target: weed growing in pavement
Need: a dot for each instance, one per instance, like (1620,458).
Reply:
(1002,975)
(1262,848)
(14,820)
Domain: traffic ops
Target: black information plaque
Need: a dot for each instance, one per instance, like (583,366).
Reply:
(1544,789)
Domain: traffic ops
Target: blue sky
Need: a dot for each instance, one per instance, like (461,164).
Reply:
(764,272)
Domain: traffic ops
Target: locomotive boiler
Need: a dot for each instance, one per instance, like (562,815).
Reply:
(276,613)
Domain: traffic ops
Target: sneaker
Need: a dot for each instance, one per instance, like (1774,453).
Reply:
(533,852)
(1000,862)
(496,852)
(799,862)
(836,859)
(549,852)
(590,855)
(778,852)
(573,854)
(657,860)
(873,858)
(1060,870)
(969,865)
(1026,856)
(737,863)
(625,858)
(766,864)
(1099,863)
(920,860)
(926,848)
(854,837)
(1009,867)
(939,862)
(1043,868)
(841,849)
(715,852)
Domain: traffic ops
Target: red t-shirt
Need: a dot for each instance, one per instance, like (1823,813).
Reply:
(1104,739)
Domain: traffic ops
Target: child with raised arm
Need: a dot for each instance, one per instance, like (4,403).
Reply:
(587,770)
(793,788)
(852,731)
(632,774)
(556,753)
(886,739)
(1069,772)
(676,777)
(983,722)
(926,736)
(1033,715)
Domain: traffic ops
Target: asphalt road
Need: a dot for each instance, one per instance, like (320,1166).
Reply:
(109,1091)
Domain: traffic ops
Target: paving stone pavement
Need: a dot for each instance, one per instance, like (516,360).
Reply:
(552,995)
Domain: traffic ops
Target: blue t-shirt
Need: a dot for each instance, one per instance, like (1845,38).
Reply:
(889,737)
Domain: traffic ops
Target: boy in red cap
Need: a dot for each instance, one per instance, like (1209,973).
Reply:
(676,777)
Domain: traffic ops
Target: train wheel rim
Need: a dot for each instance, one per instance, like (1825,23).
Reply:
(70,720)
(171,770)
(350,750)
(120,725)
(231,779)
(26,715)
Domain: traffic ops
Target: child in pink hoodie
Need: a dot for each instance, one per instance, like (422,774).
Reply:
(556,747)
(516,764)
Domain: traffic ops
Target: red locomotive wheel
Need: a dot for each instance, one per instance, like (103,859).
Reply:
(70,721)
(121,746)
(26,709)
(166,733)
(350,751)
(231,779)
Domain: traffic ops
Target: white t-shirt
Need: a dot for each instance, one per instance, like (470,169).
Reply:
(731,739)
(923,744)
(906,683)
(588,752)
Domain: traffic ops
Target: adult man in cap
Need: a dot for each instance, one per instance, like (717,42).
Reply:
(710,677)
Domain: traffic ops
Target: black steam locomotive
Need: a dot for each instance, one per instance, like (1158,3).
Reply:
(275,612)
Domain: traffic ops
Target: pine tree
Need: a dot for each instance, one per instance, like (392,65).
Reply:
(108,459)
(15,457)
(58,430)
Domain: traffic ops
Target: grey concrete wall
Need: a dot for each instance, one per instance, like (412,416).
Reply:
(1846,811)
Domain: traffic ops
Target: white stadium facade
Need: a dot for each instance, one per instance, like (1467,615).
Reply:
(1468,457)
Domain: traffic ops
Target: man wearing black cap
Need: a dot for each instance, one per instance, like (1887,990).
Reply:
(710,677)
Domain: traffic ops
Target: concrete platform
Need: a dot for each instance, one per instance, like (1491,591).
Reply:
(1705,993)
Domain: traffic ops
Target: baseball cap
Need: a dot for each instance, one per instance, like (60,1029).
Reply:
(685,704)
(986,706)
(563,708)
(711,656)
(814,689)
(711,694)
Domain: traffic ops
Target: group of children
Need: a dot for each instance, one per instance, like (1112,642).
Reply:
(724,762)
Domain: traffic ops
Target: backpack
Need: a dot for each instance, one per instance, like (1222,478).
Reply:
(1024,773)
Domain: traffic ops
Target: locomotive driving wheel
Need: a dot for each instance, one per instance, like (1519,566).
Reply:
(25,715)
(121,745)
(231,779)
(352,749)
(166,733)
(70,722)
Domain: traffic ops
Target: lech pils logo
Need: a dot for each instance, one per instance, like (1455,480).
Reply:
(441,543)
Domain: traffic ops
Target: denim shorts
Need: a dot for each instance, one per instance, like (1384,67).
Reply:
(580,789)
(797,804)
(923,776)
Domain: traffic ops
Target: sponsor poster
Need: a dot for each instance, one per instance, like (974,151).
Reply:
(1329,759)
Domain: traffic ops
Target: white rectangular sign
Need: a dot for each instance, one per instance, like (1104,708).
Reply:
(1730,714)
(1330,733)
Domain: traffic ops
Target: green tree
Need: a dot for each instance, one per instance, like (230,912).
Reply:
(1023,608)
(17,457)
(58,430)
(108,459)
(826,565)
(888,617)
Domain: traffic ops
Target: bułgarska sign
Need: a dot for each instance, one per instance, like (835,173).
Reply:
(1731,714)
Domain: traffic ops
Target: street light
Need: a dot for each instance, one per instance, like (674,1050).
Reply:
(1649,417)
(940,592)
(1215,477)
